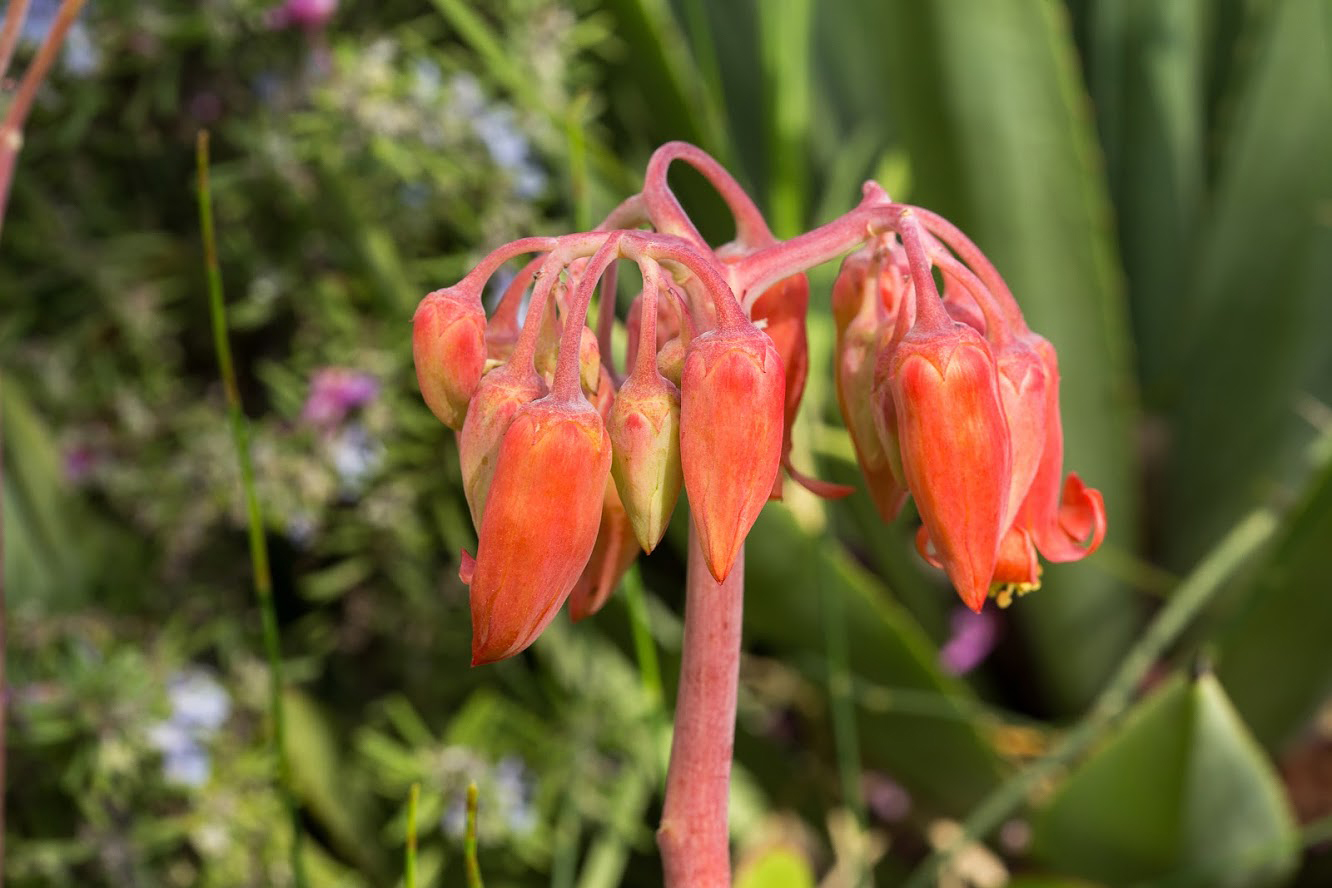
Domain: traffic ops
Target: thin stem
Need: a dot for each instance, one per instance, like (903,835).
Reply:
(11,129)
(4,644)
(1199,588)
(506,311)
(525,348)
(469,841)
(610,283)
(693,835)
(751,229)
(631,213)
(973,256)
(9,33)
(409,865)
(704,268)
(761,269)
(476,279)
(240,436)
(566,370)
(929,307)
(646,363)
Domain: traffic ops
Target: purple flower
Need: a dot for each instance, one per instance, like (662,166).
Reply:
(308,14)
(80,462)
(335,392)
(974,636)
(885,797)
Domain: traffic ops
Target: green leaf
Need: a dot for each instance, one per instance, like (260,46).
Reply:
(994,116)
(319,780)
(1255,338)
(923,733)
(1282,627)
(1148,79)
(1180,793)
(775,867)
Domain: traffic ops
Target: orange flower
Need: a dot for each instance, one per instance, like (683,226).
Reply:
(732,398)
(449,350)
(955,447)
(540,524)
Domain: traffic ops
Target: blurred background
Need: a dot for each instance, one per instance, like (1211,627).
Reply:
(1152,177)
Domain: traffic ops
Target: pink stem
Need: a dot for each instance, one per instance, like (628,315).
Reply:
(751,229)
(506,312)
(704,267)
(974,257)
(631,213)
(929,307)
(606,316)
(693,836)
(11,129)
(566,385)
(525,348)
(646,364)
(9,34)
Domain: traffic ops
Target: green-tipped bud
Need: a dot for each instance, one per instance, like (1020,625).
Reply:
(644,428)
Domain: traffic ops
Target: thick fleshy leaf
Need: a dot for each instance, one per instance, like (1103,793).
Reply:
(1258,313)
(1180,790)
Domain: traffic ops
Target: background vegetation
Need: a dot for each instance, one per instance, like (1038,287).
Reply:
(1151,177)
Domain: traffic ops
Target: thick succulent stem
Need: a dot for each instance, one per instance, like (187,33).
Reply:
(693,836)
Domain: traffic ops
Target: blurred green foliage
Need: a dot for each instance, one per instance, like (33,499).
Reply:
(1152,178)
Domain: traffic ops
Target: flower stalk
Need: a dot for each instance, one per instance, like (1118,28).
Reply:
(693,835)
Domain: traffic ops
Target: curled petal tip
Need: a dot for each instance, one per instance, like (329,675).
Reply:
(466,568)
(820,488)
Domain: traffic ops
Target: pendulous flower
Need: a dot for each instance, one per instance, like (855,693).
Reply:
(540,524)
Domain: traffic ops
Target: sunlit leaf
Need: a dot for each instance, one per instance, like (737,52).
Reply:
(1180,790)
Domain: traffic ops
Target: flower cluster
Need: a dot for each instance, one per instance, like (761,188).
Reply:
(954,401)
(571,467)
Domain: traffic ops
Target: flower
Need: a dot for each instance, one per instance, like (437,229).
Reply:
(732,400)
(335,392)
(199,707)
(973,636)
(540,523)
(309,15)
(967,402)
(955,447)
(449,350)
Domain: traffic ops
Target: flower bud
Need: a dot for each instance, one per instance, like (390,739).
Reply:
(955,448)
(615,549)
(540,525)
(499,396)
(862,320)
(449,349)
(671,360)
(589,362)
(731,407)
(644,427)
(780,312)
(1022,392)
